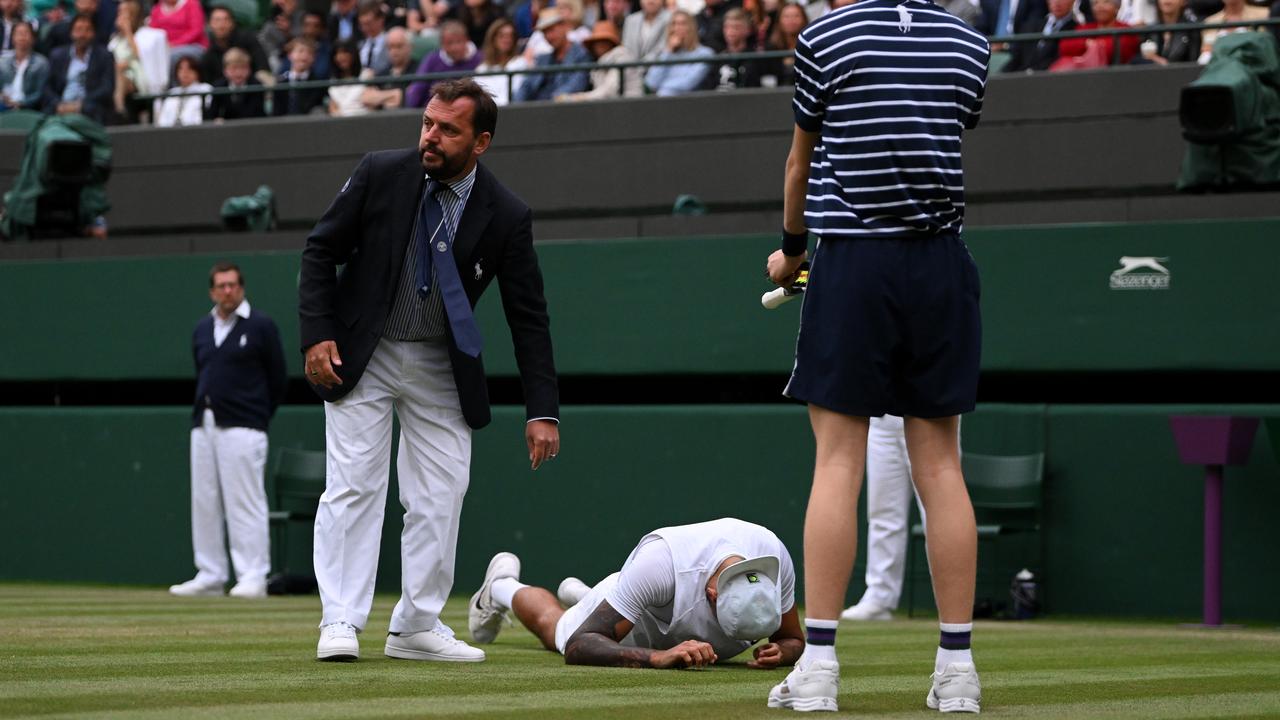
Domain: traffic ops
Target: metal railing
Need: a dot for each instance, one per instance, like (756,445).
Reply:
(622,67)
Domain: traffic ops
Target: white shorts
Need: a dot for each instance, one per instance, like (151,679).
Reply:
(578,614)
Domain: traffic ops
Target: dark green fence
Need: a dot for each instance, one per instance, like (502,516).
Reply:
(692,305)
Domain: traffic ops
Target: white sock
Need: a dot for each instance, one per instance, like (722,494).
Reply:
(946,657)
(814,652)
(503,590)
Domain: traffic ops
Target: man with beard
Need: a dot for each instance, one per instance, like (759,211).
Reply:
(412,346)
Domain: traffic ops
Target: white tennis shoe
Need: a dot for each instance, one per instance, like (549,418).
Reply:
(249,589)
(866,610)
(956,689)
(338,643)
(571,591)
(436,644)
(484,616)
(808,689)
(196,587)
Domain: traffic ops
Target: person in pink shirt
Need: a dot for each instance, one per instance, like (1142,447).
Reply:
(183,22)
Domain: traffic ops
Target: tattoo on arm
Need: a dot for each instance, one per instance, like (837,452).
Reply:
(596,642)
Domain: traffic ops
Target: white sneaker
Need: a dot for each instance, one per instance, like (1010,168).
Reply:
(338,642)
(571,591)
(433,644)
(196,587)
(812,688)
(866,610)
(956,689)
(484,616)
(249,589)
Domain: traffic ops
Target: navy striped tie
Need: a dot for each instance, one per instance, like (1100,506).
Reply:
(434,239)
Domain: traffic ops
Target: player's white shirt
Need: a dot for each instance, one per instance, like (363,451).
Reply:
(662,586)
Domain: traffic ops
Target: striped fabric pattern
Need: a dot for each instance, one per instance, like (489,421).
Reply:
(890,85)
(413,317)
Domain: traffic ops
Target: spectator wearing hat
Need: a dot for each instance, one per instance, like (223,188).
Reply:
(606,47)
(682,42)
(645,30)
(549,86)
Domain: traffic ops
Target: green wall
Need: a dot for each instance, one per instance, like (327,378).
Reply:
(691,305)
(102,495)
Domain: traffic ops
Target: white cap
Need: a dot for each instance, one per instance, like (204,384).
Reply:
(748,602)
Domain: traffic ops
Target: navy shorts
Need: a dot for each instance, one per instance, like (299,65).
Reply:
(890,326)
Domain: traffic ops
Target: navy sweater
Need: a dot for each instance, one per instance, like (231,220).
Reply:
(242,380)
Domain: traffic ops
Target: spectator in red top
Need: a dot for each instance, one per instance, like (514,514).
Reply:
(1104,16)
(183,23)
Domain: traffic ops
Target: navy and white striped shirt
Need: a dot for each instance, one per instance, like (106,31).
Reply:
(890,85)
(413,317)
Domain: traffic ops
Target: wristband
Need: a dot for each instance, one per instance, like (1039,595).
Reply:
(794,244)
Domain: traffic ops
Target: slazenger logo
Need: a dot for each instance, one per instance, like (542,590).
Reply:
(1141,273)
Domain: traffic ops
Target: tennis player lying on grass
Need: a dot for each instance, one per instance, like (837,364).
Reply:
(688,596)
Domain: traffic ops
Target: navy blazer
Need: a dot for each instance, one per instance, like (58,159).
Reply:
(367,227)
(99,81)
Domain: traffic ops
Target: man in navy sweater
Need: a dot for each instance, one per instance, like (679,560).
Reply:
(240,380)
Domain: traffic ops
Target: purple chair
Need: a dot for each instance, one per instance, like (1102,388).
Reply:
(1213,441)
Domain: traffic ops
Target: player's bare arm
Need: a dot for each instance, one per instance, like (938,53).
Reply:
(784,647)
(598,642)
(782,268)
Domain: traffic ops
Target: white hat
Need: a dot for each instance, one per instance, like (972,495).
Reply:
(748,602)
(548,17)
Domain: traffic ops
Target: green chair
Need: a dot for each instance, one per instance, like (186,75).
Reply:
(1006,492)
(299,481)
(423,44)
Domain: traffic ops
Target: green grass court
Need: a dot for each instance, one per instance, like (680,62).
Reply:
(92,651)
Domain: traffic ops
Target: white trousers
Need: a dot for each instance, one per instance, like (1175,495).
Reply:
(228,498)
(889,493)
(433,464)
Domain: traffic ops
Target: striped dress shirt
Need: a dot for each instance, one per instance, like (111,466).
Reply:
(890,86)
(413,317)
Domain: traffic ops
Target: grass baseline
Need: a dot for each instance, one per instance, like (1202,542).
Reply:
(105,652)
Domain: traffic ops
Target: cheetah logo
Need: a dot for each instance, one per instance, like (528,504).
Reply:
(1141,273)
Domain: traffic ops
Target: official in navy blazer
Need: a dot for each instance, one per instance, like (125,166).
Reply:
(240,381)
(389,277)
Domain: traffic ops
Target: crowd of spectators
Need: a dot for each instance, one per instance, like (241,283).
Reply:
(95,56)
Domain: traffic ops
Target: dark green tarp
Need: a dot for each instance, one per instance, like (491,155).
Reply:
(1243,150)
(20,203)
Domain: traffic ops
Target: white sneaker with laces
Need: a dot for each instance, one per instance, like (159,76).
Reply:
(484,616)
(249,589)
(571,591)
(866,610)
(196,587)
(956,689)
(811,688)
(338,643)
(434,644)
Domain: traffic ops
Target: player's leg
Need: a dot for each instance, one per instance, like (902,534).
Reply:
(889,494)
(951,533)
(831,520)
(539,611)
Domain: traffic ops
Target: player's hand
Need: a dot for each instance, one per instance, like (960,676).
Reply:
(688,654)
(321,359)
(784,269)
(543,439)
(768,656)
